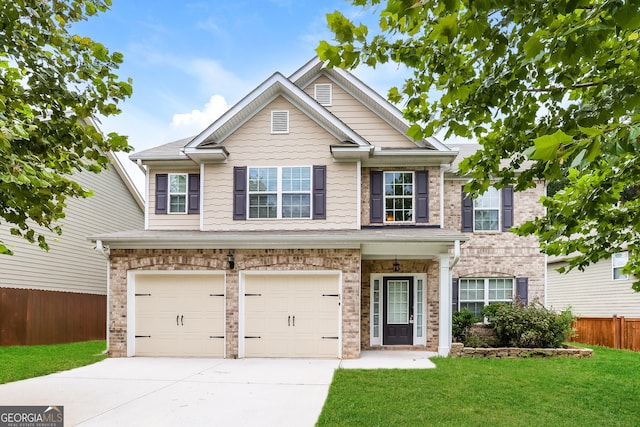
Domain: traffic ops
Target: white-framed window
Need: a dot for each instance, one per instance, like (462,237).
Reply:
(323,93)
(280,121)
(280,192)
(398,196)
(476,293)
(486,211)
(178,193)
(618,261)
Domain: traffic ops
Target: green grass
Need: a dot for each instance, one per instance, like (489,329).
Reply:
(22,362)
(497,392)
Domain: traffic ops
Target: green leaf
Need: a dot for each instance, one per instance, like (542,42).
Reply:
(534,45)
(592,131)
(415,132)
(547,145)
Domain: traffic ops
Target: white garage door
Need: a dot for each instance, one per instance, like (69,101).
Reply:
(179,315)
(291,315)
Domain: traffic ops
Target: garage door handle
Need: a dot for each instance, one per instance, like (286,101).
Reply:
(182,320)
(289,321)
(178,320)
(294,320)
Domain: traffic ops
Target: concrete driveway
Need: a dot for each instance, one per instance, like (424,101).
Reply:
(194,392)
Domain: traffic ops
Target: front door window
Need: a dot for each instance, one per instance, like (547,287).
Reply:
(398,301)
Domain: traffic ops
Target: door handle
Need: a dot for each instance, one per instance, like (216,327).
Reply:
(182,320)
(294,320)
(289,321)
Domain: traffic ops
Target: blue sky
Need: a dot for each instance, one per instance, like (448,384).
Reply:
(191,60)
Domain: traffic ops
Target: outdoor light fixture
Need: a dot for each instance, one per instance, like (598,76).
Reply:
(396,266)
(231,261)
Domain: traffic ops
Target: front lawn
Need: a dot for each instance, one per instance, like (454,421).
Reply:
(22,362)
(498,392)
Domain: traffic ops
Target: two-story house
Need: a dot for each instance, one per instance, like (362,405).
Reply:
(305,223)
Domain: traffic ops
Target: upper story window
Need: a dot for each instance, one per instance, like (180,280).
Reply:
(486,210)
(398,196)
(490,211)
(618,261)
(279,192)
(280,121)
(323,93)
(177,193)
(283,192)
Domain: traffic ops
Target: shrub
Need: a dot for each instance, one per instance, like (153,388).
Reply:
(474,340)
(463,320)
(532,326)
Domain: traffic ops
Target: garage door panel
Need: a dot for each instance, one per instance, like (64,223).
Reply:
(291,314)
(178,314)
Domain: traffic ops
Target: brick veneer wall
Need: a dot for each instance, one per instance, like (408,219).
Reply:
(406,266)
(346,260)
(500,254)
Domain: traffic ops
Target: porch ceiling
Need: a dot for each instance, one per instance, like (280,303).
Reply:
(373,242)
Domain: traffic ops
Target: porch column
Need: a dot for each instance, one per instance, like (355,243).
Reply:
(444,338)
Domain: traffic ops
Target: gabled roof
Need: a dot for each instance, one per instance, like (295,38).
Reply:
(349,146)
(364,94)
(274,86)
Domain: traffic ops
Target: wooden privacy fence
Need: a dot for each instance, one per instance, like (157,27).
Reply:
(614,332)
(30,317)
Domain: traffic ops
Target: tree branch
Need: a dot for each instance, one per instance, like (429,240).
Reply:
(566,88)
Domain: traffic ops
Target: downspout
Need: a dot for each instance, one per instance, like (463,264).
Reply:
(442,169)
(359,195)
(105,252)
(456,256)
(146,195)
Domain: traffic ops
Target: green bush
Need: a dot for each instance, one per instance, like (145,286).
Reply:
(474,340)
(463,320)
(532,326)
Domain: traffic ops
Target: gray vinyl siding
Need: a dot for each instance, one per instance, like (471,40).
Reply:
(72,265)
(593,292)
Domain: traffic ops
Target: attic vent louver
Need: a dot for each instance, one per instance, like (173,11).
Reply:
(323,93)
(280,122)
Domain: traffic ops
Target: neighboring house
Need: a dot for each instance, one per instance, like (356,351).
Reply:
(601,290)
(305,223)
(60,295)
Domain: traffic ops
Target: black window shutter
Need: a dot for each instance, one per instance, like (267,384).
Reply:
(320,192)
(467,212)
(376,202)
(522,290)
(455,288)
(162,191)
(507,208)
(422,196)
(194,193)
(240,193)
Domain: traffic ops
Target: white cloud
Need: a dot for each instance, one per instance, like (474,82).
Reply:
(197,120)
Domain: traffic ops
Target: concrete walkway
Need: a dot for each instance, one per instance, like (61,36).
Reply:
(195,392)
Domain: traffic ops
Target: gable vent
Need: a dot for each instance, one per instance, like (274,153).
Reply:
(279,122)
(323,93)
